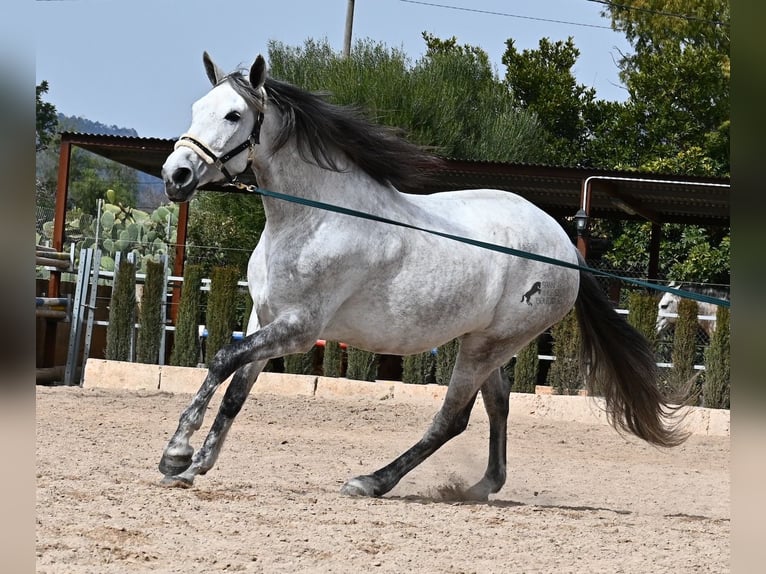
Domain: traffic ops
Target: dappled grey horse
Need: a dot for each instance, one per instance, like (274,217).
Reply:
(667,307)
(322,275)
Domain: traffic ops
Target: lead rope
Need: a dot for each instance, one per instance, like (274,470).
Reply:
(701,297)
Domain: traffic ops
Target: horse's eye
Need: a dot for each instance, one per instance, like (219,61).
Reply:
(233,116)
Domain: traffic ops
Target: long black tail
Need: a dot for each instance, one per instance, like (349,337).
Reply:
(619,364)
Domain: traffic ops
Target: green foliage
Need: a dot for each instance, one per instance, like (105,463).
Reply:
(716,391)
(684,346)
(544,83)
(687,252)
(46,121)
(185,351)
(332,361)
(564,374)
(642,314)
(122,229)
(224,228)
(419,369)
(221,309)
(677,79)
(362,365)
(122,306)
(150,317)
(445,361)
(300,363)
(450,100)
(525,368)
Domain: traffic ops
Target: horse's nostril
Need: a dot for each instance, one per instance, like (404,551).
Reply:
(181,175)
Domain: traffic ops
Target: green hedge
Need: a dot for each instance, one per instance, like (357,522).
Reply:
(150,319)
(222,302)
(332,360)
(716,391)
(185,351)
(564,374)
(446,355)
(362,365)
(122,306)
(684,347)
(419,369)
(525,368)
(642,315)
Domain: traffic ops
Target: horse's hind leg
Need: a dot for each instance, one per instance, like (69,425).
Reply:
(205,457)
(495,393)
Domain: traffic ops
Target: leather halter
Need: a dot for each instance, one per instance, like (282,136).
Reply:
(187,140)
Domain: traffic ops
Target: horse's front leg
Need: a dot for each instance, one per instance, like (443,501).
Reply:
(204,459)
(284,336)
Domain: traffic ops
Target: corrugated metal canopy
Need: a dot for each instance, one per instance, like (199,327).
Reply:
(558,190)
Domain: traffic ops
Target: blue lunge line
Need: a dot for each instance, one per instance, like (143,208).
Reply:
(482,244)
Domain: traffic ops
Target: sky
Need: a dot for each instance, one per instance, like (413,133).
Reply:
(138,63)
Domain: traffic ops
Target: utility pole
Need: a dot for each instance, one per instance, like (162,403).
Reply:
(349,26)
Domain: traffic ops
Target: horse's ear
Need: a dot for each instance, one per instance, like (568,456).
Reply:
(258,72)
(213,72)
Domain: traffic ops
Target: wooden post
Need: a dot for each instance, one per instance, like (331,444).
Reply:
(180,257)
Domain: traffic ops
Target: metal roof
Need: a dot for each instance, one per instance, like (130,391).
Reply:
(613,194)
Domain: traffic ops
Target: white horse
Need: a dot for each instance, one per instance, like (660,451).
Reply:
(322,275)
(667,308)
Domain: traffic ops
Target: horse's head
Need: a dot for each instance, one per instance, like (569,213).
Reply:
(225,127)
(668,304)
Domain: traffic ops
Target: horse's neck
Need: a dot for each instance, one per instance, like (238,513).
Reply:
(287,172)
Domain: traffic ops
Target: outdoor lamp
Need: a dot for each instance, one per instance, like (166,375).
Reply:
(581,222)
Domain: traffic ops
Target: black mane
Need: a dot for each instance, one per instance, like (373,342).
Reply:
(323,129)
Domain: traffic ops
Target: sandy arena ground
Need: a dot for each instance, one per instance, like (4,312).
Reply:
(579,497)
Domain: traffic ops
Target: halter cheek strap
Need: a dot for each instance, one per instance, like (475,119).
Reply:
(207,155)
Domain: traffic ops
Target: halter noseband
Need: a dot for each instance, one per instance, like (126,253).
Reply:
(187,140)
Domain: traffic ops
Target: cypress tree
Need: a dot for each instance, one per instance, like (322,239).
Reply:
(300,363)
(564,374)
(150,318)
(185,351)
(362,365)
(525,368)
(716,391)
(221,308)
(446,356)
(332,359)
(684,346)
(119,333)
(418,369)
(643,315)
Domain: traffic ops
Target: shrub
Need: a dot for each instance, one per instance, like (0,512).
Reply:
(332,362)
(684,348)
(300,363)
(362,365)
(186,340)
(221,308)
(525,369)
(564,374)
(643,315)
(419,369)
(446,355)
(150,320)
(717,388)
(122,306)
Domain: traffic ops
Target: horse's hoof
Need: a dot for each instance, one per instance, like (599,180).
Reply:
(173,465)
(359,486)
(176,482)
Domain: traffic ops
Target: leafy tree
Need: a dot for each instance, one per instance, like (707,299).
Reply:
(677,78)
(224,228)
(543,82)
(46,121)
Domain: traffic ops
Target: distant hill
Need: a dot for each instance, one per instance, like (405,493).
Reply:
(151,191)
(86,126)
